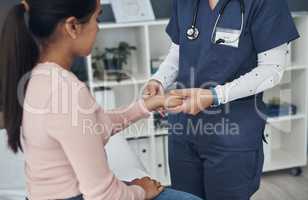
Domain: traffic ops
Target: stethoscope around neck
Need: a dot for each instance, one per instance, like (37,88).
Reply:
(193,32)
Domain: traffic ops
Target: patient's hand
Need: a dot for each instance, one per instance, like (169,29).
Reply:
(151,187)
(166,102)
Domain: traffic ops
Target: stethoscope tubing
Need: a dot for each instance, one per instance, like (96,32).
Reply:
(194,22)
(195,31)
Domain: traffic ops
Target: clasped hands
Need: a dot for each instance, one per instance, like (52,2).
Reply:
(190,101)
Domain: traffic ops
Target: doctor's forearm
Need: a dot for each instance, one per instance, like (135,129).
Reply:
(268,73)
(168,71)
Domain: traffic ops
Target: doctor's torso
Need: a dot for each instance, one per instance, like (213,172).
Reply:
(203,63)
(216,63)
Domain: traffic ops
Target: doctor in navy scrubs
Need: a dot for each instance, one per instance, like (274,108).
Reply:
(224,55)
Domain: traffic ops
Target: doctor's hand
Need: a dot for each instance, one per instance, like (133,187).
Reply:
(195,100)
(151,187)
(162,102)
(152,88)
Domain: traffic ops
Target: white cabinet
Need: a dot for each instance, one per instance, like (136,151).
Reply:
(142,148)
(144,152)
(162,172)
(287,136)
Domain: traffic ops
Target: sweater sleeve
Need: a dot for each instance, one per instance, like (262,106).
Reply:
(123,117)
(76,128)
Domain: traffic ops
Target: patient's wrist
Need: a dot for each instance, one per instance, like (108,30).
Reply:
(152,103)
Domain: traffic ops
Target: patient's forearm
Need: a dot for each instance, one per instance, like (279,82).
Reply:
(123,117)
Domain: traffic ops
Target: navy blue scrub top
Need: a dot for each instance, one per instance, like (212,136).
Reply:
(240,124)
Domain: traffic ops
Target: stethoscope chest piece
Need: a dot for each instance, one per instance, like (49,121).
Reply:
(192,33)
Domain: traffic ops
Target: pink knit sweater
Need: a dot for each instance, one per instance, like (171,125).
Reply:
(63,136)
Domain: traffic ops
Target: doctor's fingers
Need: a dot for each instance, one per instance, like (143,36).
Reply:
(191,107)
(174,110)
(148,92)
(153,88)
(173,101)
(182,92)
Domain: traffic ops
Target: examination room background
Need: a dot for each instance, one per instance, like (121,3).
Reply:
(297,185)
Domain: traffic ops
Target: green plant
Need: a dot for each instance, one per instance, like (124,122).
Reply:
(97,63)
(115,58)
(97,58)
